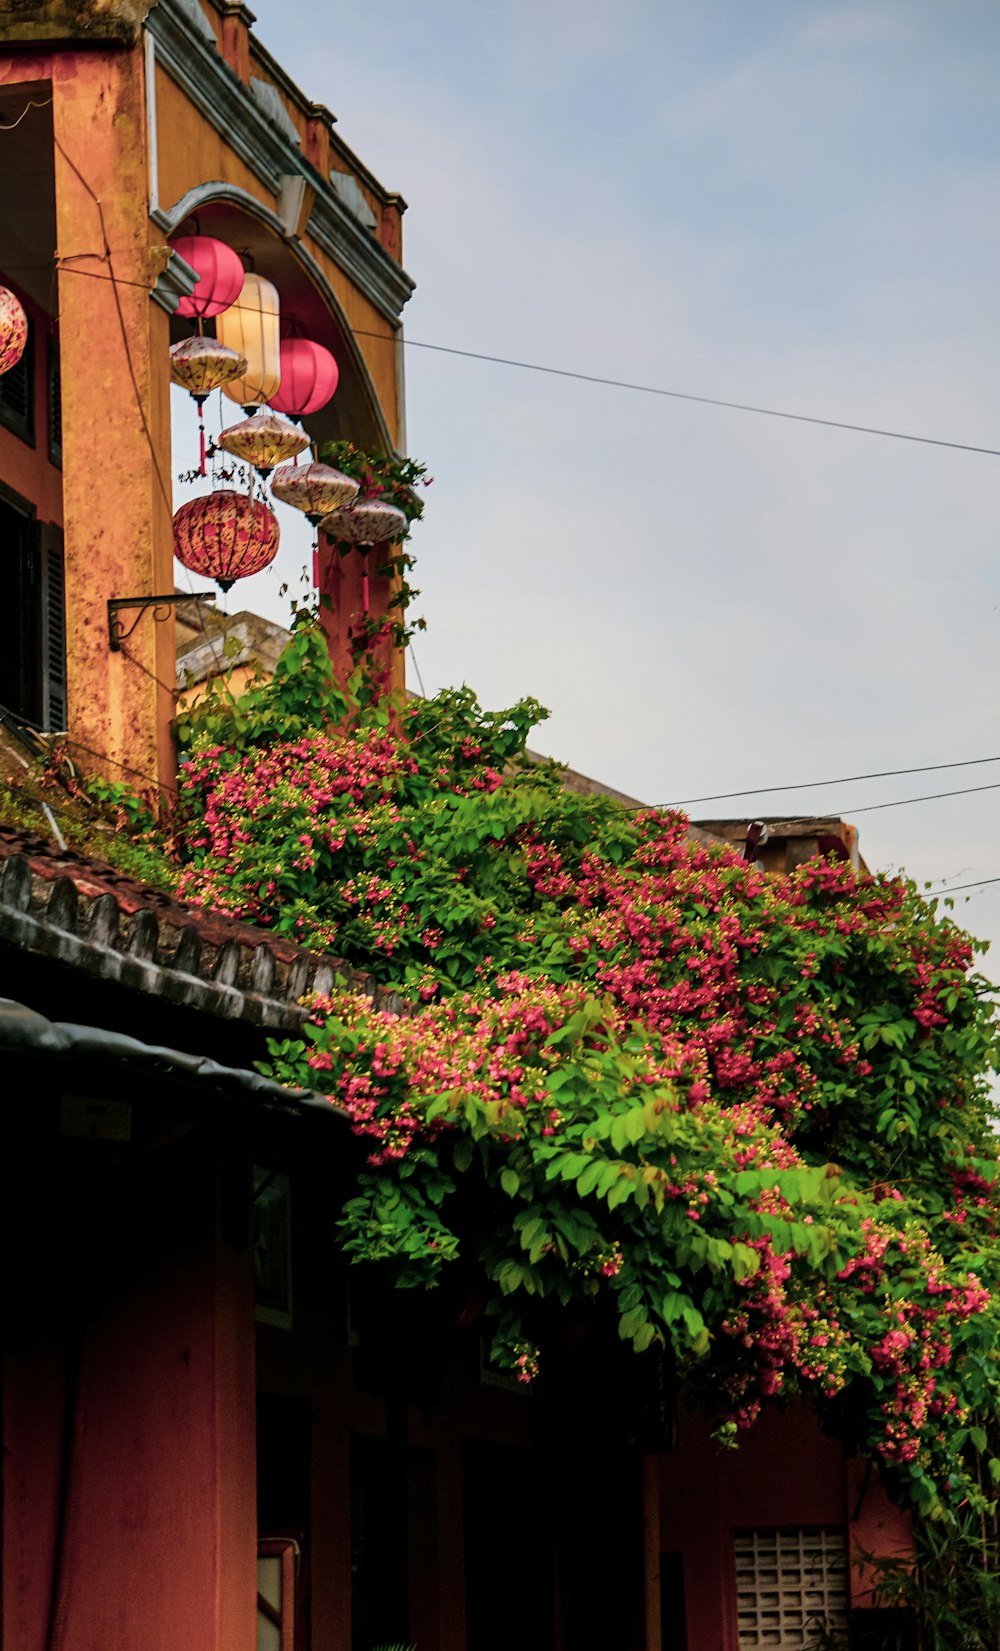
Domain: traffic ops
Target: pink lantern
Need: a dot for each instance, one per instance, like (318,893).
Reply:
(225,536)
(220,272)
(309,376)
(13,330)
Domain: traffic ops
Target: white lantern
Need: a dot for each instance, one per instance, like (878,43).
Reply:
(251,326)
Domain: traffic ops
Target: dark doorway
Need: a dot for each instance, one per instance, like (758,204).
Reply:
(509,1565)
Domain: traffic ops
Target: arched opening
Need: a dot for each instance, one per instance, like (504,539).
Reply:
(309,309)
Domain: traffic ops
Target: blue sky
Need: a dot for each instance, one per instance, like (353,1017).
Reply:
(793,204)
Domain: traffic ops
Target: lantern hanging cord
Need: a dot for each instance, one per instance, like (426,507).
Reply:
(9,125)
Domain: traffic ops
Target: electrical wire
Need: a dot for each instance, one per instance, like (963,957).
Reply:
(845,779)
(684,395)
(416,667)
(942,894)
(10,125)
(106,257)
(618,383)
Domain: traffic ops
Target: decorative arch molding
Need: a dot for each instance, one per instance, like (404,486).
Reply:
(219,191)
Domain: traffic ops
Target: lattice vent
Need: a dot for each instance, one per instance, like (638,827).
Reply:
(788,1584)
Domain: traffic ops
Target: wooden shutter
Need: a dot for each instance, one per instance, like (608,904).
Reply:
(53,627)
(55,402)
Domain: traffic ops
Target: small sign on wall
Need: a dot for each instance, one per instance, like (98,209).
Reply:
(83,1118)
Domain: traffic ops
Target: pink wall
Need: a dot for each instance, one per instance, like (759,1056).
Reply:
(130,1514)
(786,1472)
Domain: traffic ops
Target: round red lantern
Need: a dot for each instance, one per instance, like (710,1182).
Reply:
(220,275)
(13,330)
(225,536)
(309,376)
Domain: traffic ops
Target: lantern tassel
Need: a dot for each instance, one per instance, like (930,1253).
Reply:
(364,582)
(201,440)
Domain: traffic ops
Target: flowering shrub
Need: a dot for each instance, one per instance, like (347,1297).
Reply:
(747,1114)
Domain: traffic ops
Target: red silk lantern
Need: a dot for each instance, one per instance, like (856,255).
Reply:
(225,536)
(13,330)
(309,376)
(220,272)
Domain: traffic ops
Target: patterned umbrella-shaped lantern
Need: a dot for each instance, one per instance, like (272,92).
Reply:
(367,522)
(199,365)
(13,330)
(225,536)
(316,489)
(220,275)
(264,440)
(309,376)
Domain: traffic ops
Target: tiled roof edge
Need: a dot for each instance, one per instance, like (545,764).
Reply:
(82,914)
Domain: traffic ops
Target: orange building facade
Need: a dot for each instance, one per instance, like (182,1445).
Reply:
(217,1435)
(126,127)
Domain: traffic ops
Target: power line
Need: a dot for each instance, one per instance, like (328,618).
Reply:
(942,894)
(106,258)
(846,779)
(614,383)
(11,125)
(684,395)
(931,797)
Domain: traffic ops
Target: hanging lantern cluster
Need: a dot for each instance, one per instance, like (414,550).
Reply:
(13,330)
(225,536)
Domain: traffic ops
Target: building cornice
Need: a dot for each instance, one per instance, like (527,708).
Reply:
(69,20)
(237,115)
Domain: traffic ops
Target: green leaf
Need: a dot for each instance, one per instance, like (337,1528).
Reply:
(510,1182)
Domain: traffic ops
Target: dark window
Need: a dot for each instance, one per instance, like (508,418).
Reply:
(33,663)
(17,393)
(55,402)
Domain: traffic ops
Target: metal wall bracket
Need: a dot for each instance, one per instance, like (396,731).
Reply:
(160,605)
